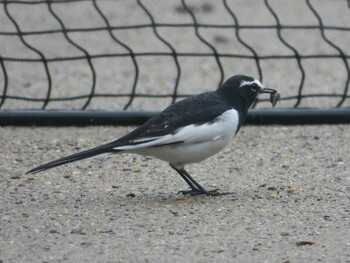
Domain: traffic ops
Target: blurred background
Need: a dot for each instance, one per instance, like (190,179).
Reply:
(144,55)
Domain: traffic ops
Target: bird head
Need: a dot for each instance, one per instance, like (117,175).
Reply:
(244,90)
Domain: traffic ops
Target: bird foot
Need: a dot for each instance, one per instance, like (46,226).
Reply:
(195,192)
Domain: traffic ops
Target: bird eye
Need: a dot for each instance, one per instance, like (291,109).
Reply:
(254,87)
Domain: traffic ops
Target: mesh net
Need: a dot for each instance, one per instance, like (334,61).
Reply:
(144,55)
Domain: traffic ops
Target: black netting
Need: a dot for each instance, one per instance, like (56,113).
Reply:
(144,55)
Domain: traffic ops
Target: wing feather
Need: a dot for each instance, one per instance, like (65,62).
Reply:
(161,129)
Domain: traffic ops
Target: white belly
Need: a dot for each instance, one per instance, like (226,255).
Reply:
(199,141)
(186,153)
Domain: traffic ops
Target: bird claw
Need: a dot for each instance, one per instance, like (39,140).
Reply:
(195,192)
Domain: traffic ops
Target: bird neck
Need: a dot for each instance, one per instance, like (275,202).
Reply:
(241,106)
(238,103)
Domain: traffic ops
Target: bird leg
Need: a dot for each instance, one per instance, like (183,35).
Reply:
(196,188)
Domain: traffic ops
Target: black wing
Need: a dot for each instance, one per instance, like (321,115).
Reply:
(203,108)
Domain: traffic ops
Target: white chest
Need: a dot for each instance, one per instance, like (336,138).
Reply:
(199,141)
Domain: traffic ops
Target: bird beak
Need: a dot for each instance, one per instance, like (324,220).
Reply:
(267,90)
(274,95)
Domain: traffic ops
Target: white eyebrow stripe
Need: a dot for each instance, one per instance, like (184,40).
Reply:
(257,82)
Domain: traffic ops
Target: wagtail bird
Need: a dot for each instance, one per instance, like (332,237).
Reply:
(188,131)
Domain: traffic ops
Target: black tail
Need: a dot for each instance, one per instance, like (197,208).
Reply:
(103,149)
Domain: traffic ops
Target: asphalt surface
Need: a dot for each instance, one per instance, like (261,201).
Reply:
(288,200)
(288,186)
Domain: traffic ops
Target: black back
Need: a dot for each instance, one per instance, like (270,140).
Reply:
(203,108)
(199,109)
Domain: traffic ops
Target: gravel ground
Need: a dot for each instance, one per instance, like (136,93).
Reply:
(288,202)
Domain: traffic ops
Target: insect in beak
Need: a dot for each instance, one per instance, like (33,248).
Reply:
(274,95)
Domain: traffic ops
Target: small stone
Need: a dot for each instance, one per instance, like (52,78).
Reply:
(258,196)
(274,196)
(131,195)
(327,218)
(78,231)
(86,243)
(290,191)
(103,231)
(305,242)
(174,212)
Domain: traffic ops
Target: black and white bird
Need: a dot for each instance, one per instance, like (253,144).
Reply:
(187,131)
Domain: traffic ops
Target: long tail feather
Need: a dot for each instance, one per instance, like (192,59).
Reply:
(103,149)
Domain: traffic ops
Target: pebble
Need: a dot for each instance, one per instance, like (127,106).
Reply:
(327,218)
(305,242)
(274,196)
(103,231)
(78,231)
